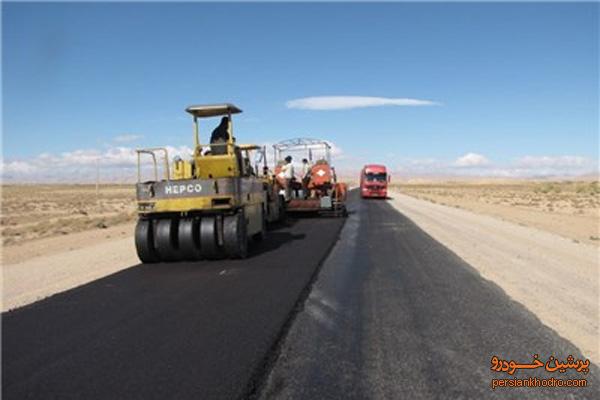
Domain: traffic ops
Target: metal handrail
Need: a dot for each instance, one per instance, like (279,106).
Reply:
(152,152)
(302,144)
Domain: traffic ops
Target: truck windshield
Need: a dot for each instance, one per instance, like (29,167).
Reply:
(376,177)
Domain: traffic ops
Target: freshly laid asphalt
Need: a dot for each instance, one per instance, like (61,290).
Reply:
(396,315)
(393,314)
(182,330)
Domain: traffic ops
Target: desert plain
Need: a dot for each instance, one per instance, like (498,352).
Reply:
(31,212)
(569,208)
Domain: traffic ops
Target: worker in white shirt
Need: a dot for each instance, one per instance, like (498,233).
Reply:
(306,170)
(288,174)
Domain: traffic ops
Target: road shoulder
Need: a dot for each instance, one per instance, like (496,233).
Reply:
(554,277)
(34,270)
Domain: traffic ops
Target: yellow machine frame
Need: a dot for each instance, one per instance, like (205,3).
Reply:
(211,191)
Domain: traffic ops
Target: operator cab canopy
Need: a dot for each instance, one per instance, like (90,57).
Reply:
(212,110)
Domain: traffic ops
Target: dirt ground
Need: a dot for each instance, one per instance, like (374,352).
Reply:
(39,268)
(56,237)
(567,208)
(31,212)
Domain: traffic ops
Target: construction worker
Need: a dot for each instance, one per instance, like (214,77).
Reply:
(248,167)
(306,170)
(220,136)
(288,174)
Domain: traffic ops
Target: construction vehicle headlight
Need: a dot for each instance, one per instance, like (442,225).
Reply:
(146,206)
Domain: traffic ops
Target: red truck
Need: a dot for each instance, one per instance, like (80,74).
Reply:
(374,181)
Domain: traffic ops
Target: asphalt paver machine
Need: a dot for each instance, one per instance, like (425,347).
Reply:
(314,187)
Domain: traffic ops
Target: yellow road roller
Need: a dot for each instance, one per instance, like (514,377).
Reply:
(206,207)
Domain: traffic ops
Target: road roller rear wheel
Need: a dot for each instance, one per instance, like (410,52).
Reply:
(144,241)
(235,240)
(209,246)
(165,239)
(260,236)
(189,239)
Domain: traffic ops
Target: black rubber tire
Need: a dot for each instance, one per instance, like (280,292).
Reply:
(165,239)
(189,239)
(144,242)
(209,247)
(235,239)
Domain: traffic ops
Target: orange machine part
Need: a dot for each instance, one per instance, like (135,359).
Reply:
(320,175)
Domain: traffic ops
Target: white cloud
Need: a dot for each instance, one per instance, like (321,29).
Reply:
(348,102)
(529,162)
(16,167)
(126,138)
(117,164)
(562,165)
(476,165)
(470,160)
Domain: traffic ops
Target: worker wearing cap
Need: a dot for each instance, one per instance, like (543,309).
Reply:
(288,174)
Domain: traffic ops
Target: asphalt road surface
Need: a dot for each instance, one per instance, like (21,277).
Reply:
(396,315)
(393,314)
(183,330)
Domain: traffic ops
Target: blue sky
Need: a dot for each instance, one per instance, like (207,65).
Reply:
(516,84)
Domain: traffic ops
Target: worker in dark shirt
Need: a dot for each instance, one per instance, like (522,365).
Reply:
(220,136)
